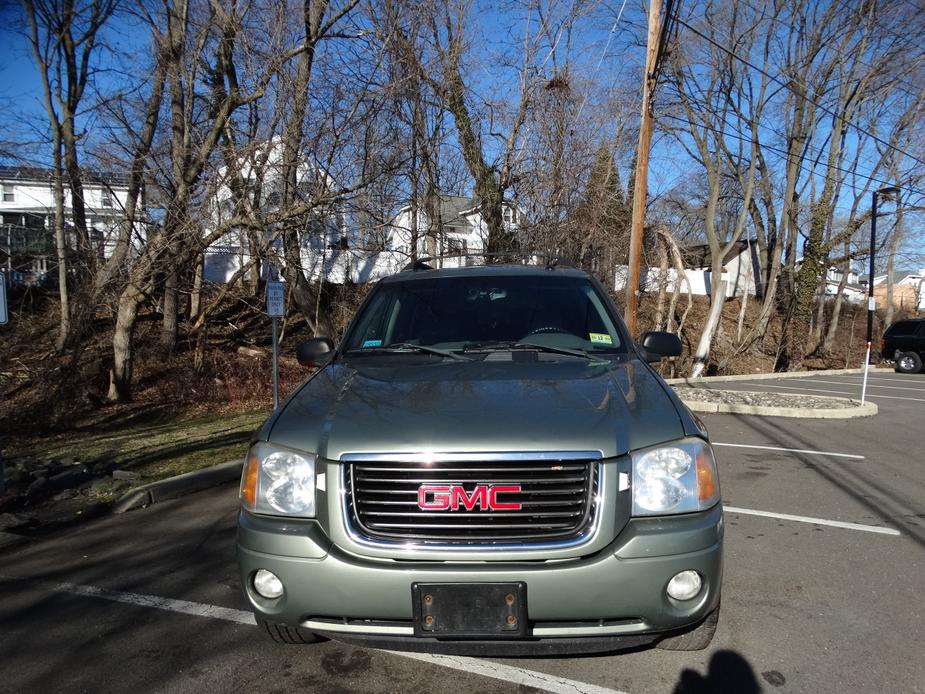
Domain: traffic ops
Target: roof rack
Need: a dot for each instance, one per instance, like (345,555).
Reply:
(527,257)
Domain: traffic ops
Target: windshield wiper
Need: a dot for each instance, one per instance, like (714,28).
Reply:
(574,352)
(403,346)
(510,345)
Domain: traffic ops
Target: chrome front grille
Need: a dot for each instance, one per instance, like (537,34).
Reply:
(542,498)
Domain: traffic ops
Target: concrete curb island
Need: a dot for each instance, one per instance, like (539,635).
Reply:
(868,409)
(769,376)
(197,480)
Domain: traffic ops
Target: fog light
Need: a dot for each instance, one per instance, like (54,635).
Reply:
(269,586)
(684,585)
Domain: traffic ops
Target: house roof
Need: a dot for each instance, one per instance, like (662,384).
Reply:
(456,207)
(43,175)
(897,276)
(699,256)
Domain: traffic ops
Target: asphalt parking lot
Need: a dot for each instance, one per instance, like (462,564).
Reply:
(823,587)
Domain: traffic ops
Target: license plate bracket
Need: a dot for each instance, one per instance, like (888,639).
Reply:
(470,610)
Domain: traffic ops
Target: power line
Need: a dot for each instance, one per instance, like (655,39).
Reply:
(785,155)
(905,42)
(787,86)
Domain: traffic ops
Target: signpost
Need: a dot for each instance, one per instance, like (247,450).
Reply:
(276,309)
(3,312)
(3,320)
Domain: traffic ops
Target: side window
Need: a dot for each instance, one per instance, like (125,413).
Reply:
(921,330)
(374,323)
(903,327)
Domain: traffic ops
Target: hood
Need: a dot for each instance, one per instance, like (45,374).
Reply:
(412,405)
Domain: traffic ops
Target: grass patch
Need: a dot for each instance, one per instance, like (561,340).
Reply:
(155,448)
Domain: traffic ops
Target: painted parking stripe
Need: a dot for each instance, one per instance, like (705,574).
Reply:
(844,392)
(197,609)
(814,521)
(869,385)
(880,378)
(510,673)
(791,450)
(485,668)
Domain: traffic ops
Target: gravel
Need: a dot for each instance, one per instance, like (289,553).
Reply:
(763,399)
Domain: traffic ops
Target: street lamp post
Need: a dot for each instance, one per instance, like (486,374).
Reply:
(871,304)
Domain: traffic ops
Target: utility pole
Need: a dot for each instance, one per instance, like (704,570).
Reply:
(640,186)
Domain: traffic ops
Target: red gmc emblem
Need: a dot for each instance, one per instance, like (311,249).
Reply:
(452,497)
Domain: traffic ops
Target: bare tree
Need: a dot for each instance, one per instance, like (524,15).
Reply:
(63,35)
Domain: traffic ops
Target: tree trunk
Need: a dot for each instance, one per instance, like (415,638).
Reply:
(120,375)
(717,299)
(64,325)
(895,242)
(662,282)
(195,297)
(169,326)
(829,340)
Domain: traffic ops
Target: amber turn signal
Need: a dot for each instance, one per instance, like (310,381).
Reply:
(706,478)
(249,481)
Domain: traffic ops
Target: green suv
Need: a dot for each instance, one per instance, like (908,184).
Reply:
(486,464)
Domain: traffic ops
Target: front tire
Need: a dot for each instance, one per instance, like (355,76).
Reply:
(696,639)
(908,363)
(283,633)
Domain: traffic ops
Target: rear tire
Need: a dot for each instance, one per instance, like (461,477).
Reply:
(283,633)
(696,639)
(908,363)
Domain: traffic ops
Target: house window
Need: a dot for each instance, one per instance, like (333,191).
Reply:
(507,215)
(106,198)
(8,194)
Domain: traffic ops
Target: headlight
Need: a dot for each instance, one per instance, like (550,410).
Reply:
(278,482)
(679,477)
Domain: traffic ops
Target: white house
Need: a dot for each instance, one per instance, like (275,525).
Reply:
(741,271)
(908,289)
(27,208)
(462,230)
(334,251)
(324,234)
(853,292)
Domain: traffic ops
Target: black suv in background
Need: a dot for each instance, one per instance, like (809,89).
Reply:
(904,343)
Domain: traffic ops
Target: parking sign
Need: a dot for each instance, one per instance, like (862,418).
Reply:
(3,313)
(276,299)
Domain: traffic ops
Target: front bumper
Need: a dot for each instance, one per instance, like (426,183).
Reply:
(615,597)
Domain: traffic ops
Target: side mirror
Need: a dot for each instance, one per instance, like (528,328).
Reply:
(658,345)
(315,351)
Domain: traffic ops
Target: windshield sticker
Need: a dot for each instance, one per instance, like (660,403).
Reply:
(600,338)
(372,343)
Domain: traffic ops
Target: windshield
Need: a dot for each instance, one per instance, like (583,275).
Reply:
(486,312)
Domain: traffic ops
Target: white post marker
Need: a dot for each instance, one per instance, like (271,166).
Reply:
(276,309)
(4,316)
(871,306)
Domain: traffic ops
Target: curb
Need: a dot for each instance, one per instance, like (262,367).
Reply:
(181,485)
(766,376)
(868,409)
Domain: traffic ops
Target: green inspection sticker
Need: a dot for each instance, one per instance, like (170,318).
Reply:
(600,338)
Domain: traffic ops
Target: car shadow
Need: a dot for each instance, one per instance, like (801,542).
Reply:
(727,672)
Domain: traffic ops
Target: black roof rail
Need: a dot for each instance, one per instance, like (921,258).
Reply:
(551,261)
(419,264)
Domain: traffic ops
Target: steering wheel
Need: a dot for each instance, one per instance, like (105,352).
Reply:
(546,329)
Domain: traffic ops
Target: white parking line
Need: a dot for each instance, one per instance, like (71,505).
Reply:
(791,450)
(844,392)
(511,673)
(869,385)
(485,668)
(814,521)
(879,378)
